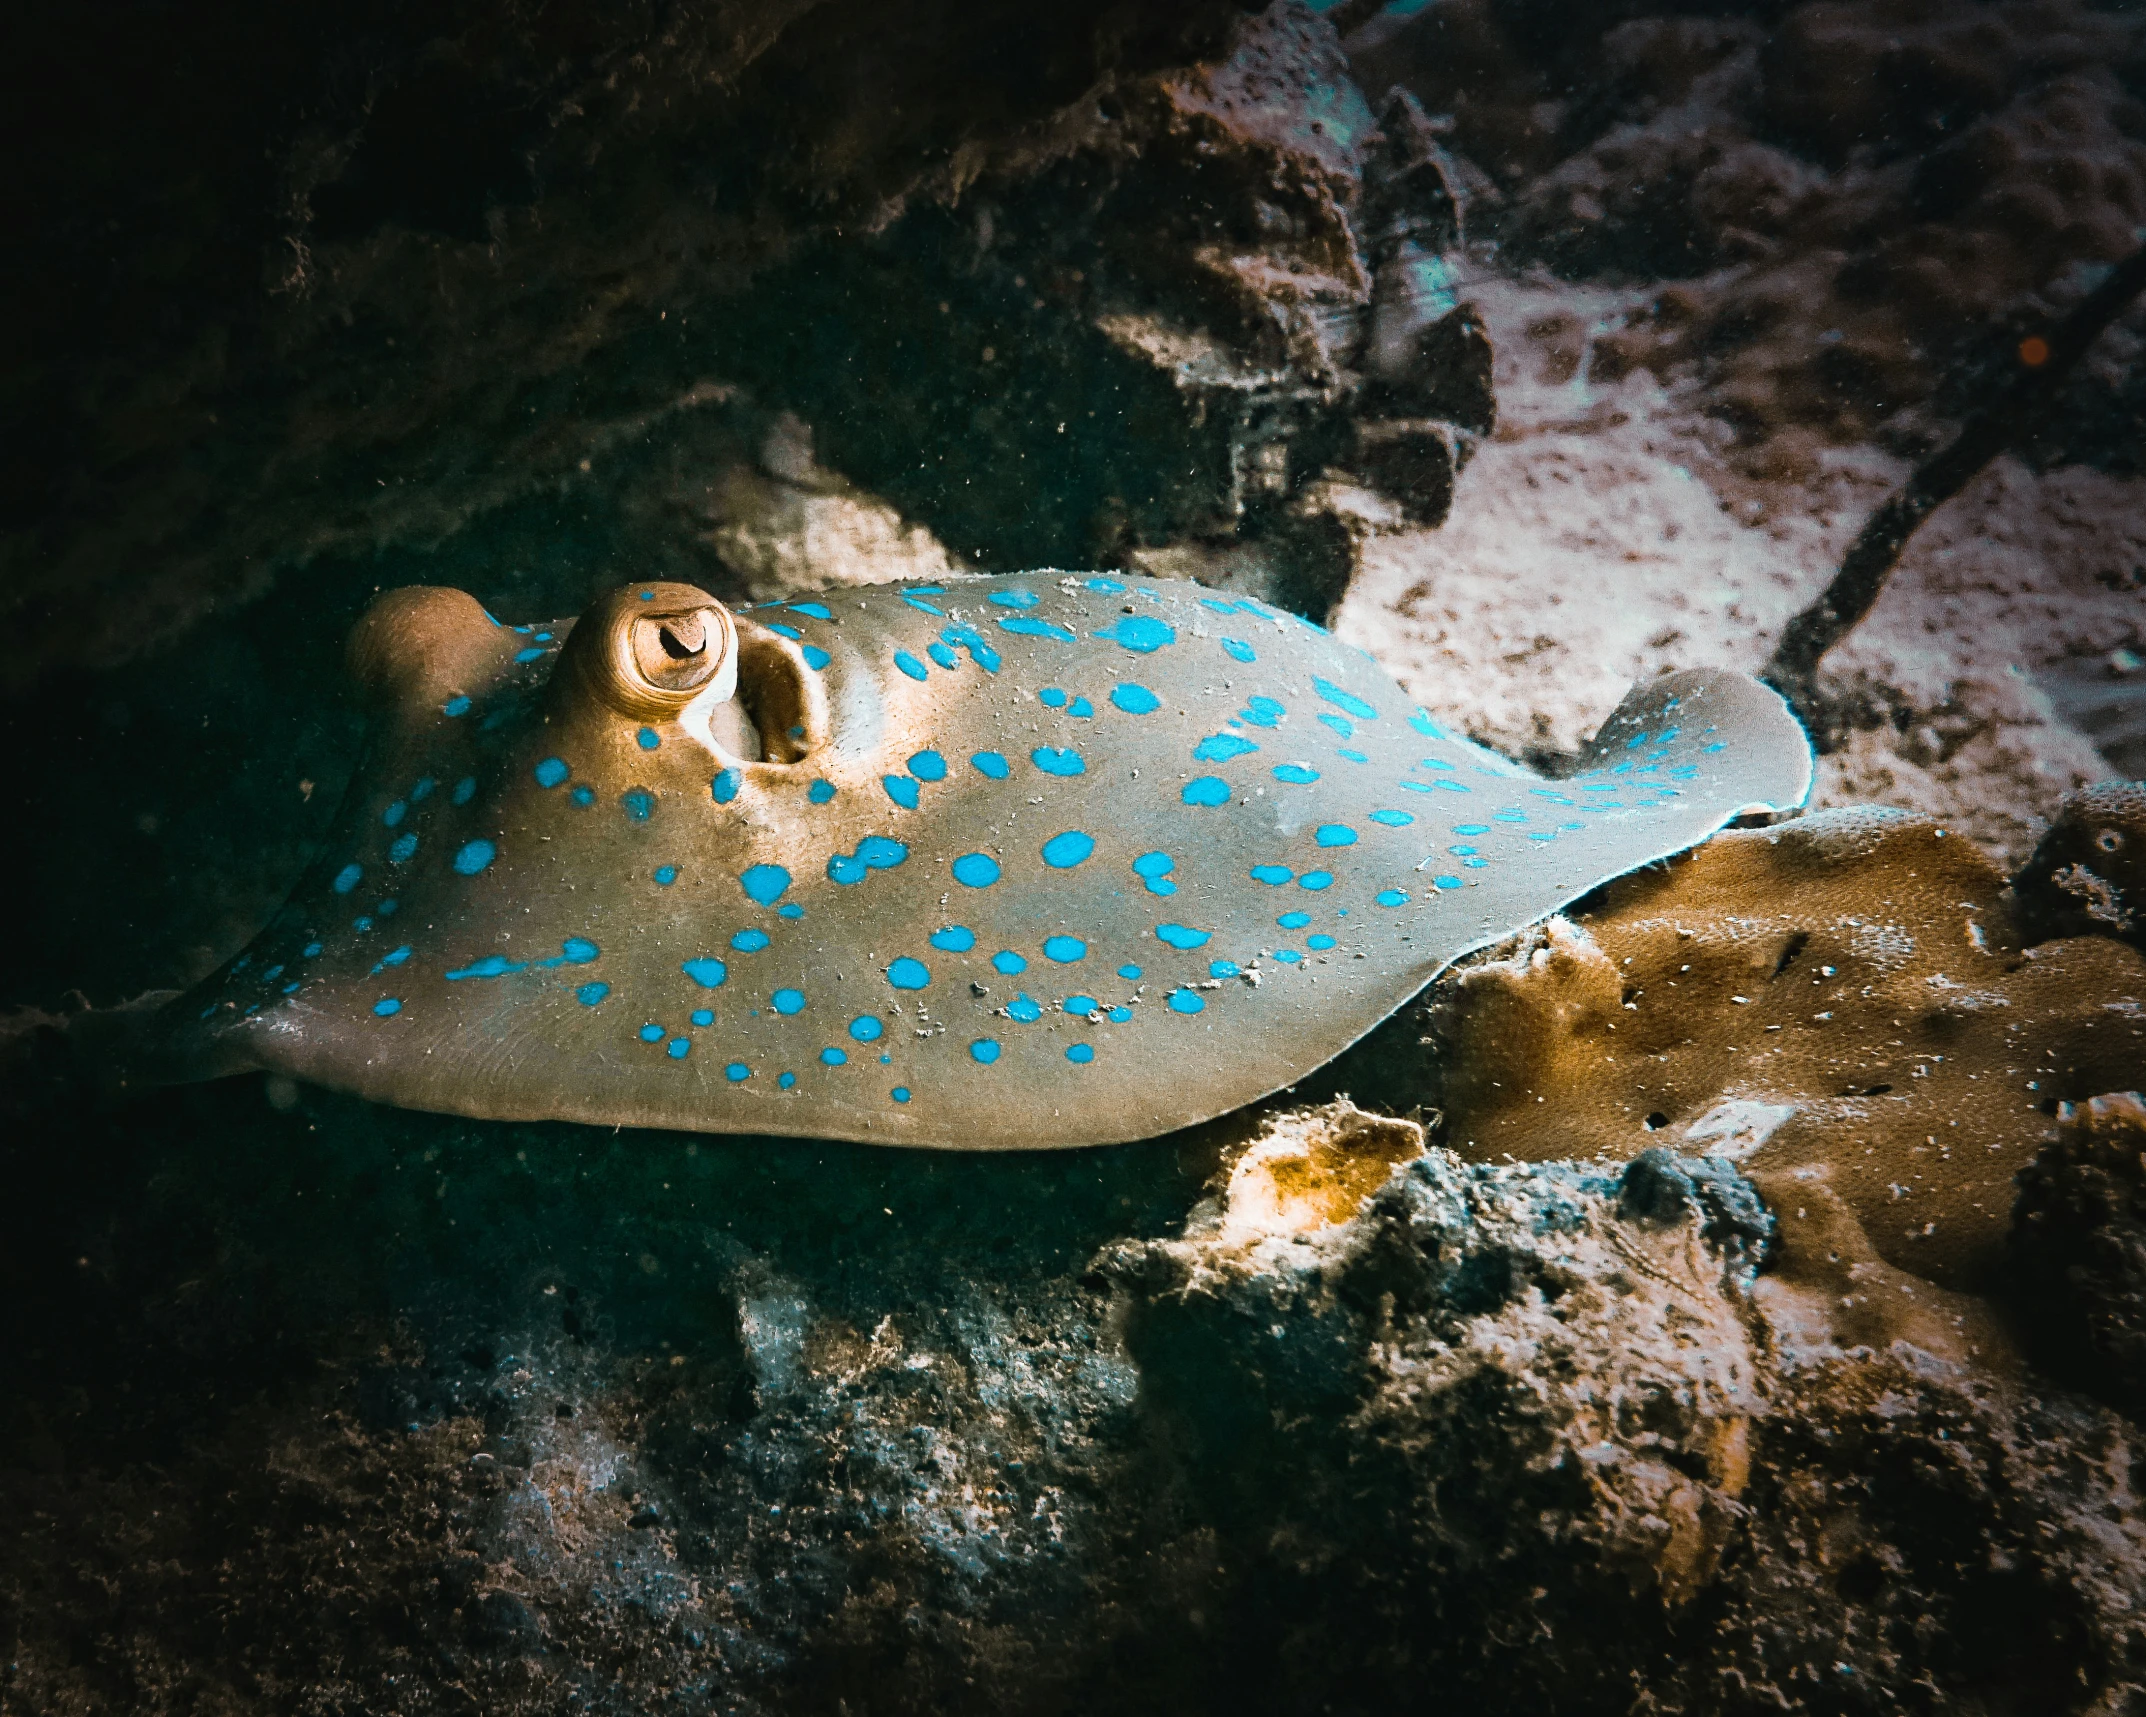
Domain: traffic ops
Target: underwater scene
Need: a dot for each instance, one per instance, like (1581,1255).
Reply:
(937,858)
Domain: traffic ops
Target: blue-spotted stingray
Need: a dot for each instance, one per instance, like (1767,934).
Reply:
(999,863)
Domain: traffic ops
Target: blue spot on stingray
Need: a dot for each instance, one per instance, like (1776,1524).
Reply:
(737,1072)
(395,813)
(651,1033)
(1064,949)
(638,803)
(388,1005)
(1181,936)
(1335,835)
(900,1093)
(1446,881)
(1024,1009)
(529,655)
(901,789)
(788,1001)
(1393,897)
(909,665)
(1015,598)
(928,766)
(990,763)
(1320,943)
(474,857)
(764,883)
(1287,956)
(590,994)
(1140,633)
(707,973)
(455,706)
(1273,875)
(1339,723)
(679,1048)
(976,870)
(1216,605)
(1216,969)
(790,910)
(908,974)
(309,950)
(1187,1002)
(1053,761)
(552,772)
(954,939)
(1510,816)
(647,739)
(786,1080)
(1344,700)
(833,1057)
(942,655)
(1007,961)
(1207,790)
(1154,869)
(820,791)
(749,941)
(465,790)
(1445,786)
(491,966)
(790,632)
(347,878)
(665,875)
(704,1016)
(1240,649)
(1392,819)
(865,1029)
(1080,709)
(984,1050)
(1635,742)
(1352,756)
(1080,1007)
(1135,700)
(1296,774)
(1262,712)
(1051,698)
(816,610)
(395,958)
(1110,584)
(1471,829)
(583,795)
(1121,1014)
(1033,628)
(1064,851)
(1221,747)
(1316,880)
(816,658)
(918,602)
(1081,1054)
(359,923)
(1293,920)
(576,951)
(1718,745)
(402,849)
(1129,972)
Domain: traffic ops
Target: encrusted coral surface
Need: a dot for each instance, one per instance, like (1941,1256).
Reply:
(1840,1005)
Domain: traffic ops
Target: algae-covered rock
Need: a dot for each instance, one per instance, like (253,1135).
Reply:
(1841,1005)
(2087,877)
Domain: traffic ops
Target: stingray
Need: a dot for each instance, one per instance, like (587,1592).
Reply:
(995,863)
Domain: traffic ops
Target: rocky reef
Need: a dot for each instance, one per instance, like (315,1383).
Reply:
(1724,1298)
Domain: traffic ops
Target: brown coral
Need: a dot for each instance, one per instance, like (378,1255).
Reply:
(1840,1005)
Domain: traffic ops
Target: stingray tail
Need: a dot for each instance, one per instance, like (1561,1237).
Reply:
(53,1066)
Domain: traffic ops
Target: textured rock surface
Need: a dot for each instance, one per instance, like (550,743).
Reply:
(1851,199)
(413,1416)
(2080,1245)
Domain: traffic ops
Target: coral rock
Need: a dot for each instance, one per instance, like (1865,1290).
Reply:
(2088,875)
(1840,1005)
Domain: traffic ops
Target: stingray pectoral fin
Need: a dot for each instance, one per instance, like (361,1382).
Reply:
(1709,734)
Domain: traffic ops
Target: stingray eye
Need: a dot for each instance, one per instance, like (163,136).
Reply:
(678,652)
(650,650)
